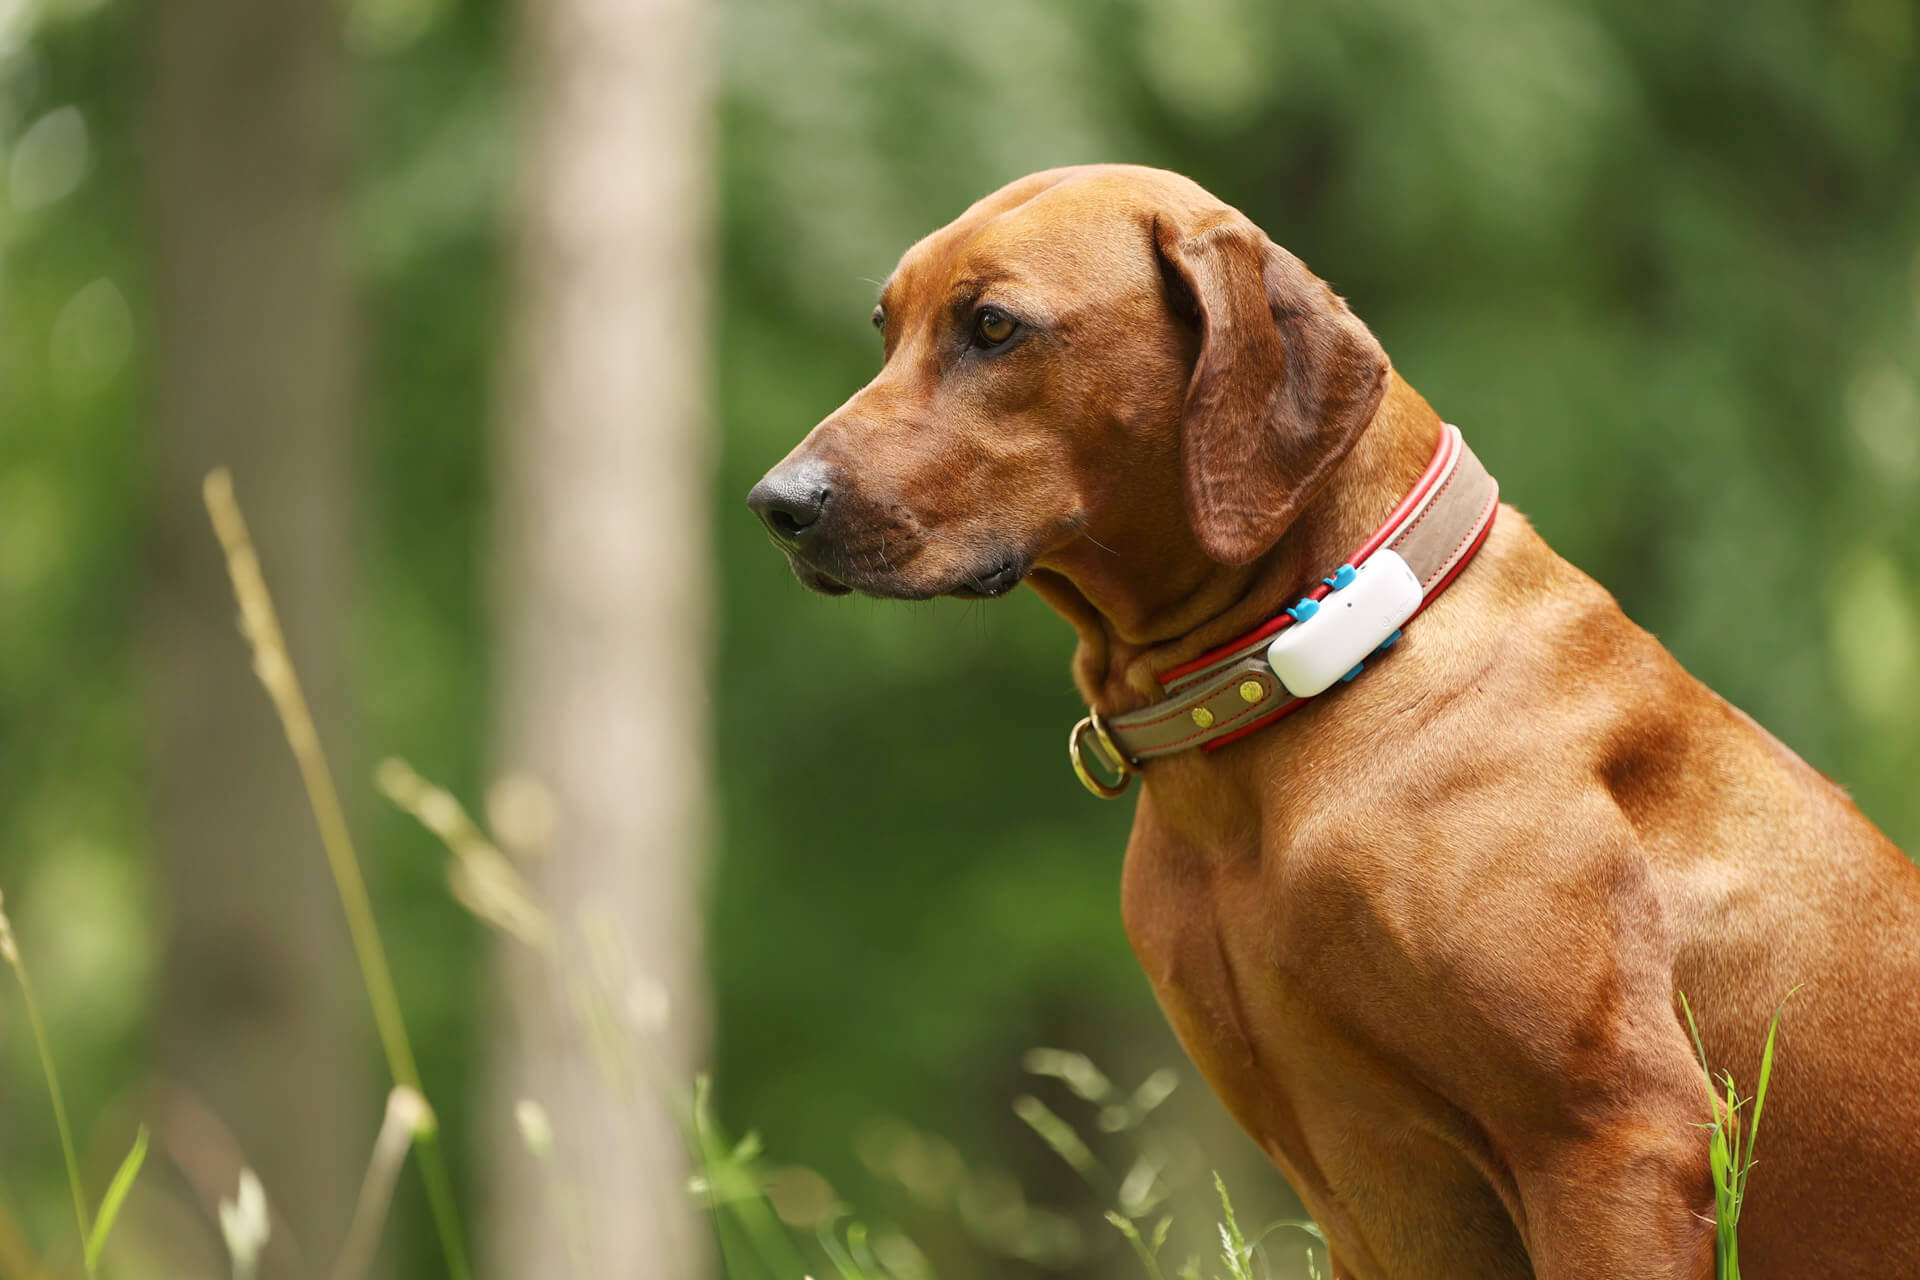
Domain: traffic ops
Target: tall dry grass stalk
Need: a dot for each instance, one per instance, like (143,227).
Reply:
(408,1119)
(260,624)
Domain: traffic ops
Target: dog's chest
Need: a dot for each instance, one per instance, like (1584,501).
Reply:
(1359,1141)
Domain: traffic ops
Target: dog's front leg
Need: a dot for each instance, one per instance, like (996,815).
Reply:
(1633,1199)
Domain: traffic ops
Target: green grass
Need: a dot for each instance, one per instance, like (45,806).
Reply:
(1236,1251)
(1730,1149)
(1135,1198)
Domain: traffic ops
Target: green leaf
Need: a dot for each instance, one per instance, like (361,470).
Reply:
(1075,1070)
(1147,1253)
(1760,1090)
(1307,1225)
(1701,1048)
(1065,1141)
(837,1253)
(115,1197)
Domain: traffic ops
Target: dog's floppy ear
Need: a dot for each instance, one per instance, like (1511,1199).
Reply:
(1285,381)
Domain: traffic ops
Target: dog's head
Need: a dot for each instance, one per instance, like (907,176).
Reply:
(1086,357)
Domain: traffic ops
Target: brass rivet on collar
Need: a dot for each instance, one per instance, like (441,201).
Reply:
(1250,690)
(1203,717)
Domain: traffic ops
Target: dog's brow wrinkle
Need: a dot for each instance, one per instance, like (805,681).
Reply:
(974,288)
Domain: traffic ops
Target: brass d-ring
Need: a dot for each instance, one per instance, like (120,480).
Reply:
(1109,756)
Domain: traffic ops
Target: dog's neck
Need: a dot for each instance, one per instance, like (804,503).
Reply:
(1148,607)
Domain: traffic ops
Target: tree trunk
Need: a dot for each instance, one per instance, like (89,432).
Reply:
(602,550)
(251,367)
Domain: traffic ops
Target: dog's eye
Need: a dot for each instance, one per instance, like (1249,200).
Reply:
(992,327)
(880,317)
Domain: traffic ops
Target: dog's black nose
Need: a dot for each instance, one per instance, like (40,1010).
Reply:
(790,503)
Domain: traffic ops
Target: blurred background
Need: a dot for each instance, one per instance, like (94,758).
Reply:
(496,313)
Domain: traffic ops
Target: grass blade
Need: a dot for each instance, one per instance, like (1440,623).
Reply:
(1075,1070)
(1239,1254)
(10,951)
(1730,1148)
(1307,1225)
(841,1255)
(1148,1255)
(1066,1143)
(1699,1047)
(116,1196)
(1760,1089)
(273,664)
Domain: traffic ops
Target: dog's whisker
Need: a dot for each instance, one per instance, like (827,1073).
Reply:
(1080,525)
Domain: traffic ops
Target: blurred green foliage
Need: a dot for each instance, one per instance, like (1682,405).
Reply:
(1661,262)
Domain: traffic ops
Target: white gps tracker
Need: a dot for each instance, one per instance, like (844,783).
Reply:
(1330,638)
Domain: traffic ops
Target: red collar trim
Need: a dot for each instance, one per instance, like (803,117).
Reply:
(1289,708)
(1444,455)
(1213,692)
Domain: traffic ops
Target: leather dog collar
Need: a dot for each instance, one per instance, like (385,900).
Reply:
(1228,692)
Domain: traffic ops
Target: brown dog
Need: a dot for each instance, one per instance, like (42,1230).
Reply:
(1426,937)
